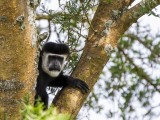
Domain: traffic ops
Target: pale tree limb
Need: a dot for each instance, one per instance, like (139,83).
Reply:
(40,17)
(50,16)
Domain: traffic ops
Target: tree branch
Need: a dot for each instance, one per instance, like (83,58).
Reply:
(49,30)
(92,61)
(50,16)
(144,7)
(40,17)
(94,57)
(126,20)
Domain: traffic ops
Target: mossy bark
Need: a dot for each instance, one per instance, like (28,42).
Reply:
(18,53)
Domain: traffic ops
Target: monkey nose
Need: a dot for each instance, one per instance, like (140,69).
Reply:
(54,67)
(51,68)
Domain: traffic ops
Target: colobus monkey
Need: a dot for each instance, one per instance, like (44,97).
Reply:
(51,64)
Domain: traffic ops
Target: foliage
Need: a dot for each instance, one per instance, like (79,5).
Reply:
(70,23)
(30,112)
(133,84)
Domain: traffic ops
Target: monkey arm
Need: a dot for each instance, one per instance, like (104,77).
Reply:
(76,83)
(64,80)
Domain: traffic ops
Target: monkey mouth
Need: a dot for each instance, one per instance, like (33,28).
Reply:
(54,69)
(54,73)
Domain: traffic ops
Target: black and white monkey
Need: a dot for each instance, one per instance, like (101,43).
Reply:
(51,64)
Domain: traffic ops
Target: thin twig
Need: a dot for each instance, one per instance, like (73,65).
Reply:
(49,30)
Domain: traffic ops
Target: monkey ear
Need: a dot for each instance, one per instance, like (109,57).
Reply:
(42,53)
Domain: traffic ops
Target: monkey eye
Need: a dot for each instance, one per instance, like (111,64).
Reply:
(54,57)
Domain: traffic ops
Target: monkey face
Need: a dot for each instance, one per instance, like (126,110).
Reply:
(53,64)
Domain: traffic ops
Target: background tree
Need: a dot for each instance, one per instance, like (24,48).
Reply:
(97,39)
(18,54)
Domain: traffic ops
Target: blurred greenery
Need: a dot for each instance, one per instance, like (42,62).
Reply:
(130,80)
(30,112)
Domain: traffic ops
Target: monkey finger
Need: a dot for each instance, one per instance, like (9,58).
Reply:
(85,85)
(84,88)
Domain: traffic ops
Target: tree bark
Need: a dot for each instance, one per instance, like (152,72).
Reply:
(94,56)
(18,53)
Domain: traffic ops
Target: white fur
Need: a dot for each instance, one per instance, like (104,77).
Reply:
(52,73)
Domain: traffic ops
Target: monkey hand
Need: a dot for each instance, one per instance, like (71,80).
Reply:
(77,83)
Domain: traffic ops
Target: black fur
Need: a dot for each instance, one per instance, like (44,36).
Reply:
(44,80)
(51,47)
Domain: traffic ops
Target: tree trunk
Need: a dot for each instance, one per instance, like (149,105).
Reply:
(18,55)
(94,56)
